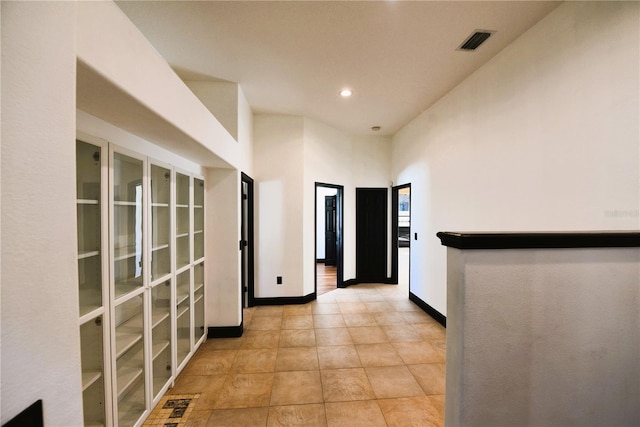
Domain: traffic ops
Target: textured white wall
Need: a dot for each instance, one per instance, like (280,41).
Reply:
(40,339)
(221,98)
(278,159)
(543,137)
(224,298)
(543,337)
(245,134)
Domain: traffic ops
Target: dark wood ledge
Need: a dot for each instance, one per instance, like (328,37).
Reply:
(540,240)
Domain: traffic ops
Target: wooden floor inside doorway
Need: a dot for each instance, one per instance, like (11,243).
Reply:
(327,278)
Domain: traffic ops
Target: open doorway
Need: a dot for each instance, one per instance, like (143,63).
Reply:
(328,251)
(401,235)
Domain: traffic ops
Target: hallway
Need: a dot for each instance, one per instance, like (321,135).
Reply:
(326,278)
(360,356)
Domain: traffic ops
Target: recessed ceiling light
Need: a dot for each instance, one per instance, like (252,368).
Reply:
(345,93)
(375,128)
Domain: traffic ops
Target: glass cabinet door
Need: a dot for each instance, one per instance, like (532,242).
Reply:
(89,194)
(198,219)
(183,320)
(129,357)
(160,222)
(89,205)
(198,301)
(182,221)
(161,335)
(93,394)
(127,223)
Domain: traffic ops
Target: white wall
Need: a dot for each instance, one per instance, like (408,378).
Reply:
(543,137)
(245,134)
(40,339)
(224,299)
(221,98)
(223,223)
(278,174)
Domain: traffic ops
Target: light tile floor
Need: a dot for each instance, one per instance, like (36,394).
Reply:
(360,356)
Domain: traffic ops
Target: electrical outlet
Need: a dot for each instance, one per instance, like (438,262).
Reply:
(279,280)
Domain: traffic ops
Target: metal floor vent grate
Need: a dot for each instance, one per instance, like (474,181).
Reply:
(475,40)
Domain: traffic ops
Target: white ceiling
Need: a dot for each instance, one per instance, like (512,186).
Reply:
(292,57)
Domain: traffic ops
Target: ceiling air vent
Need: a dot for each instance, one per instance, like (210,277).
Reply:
(475,40)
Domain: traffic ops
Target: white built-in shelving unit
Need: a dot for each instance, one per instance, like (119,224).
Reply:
(92,226)
(198,260)
(140,279)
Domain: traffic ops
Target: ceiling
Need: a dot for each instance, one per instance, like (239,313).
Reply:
(293,57)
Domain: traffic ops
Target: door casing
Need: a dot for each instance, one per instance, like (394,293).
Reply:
(339,234)
(394,230)
(330,220)
(246,241)
(371,235)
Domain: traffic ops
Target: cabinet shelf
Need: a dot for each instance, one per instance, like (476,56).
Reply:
(198,298)
(131,408)
(124,341)
(127,376)
(88,202)
(160,247)
(125,287)
(183,311)
(182,206)
(181,235)
(89,378)
(157,318)
(160,280)
(198,206)
(125,203)
(198,231)
(197,287)
(90,312)
(128,334)
(182,298)
(124,252)
(158,348)
(88,254)
(160,205)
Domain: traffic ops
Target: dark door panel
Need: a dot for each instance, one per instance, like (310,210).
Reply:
(330,230)
(246,241)
(371,235)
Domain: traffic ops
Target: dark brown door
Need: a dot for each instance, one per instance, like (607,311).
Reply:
(371,235)
(330,230)
(246,241)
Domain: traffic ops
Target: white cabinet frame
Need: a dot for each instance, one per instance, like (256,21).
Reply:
(120,338)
